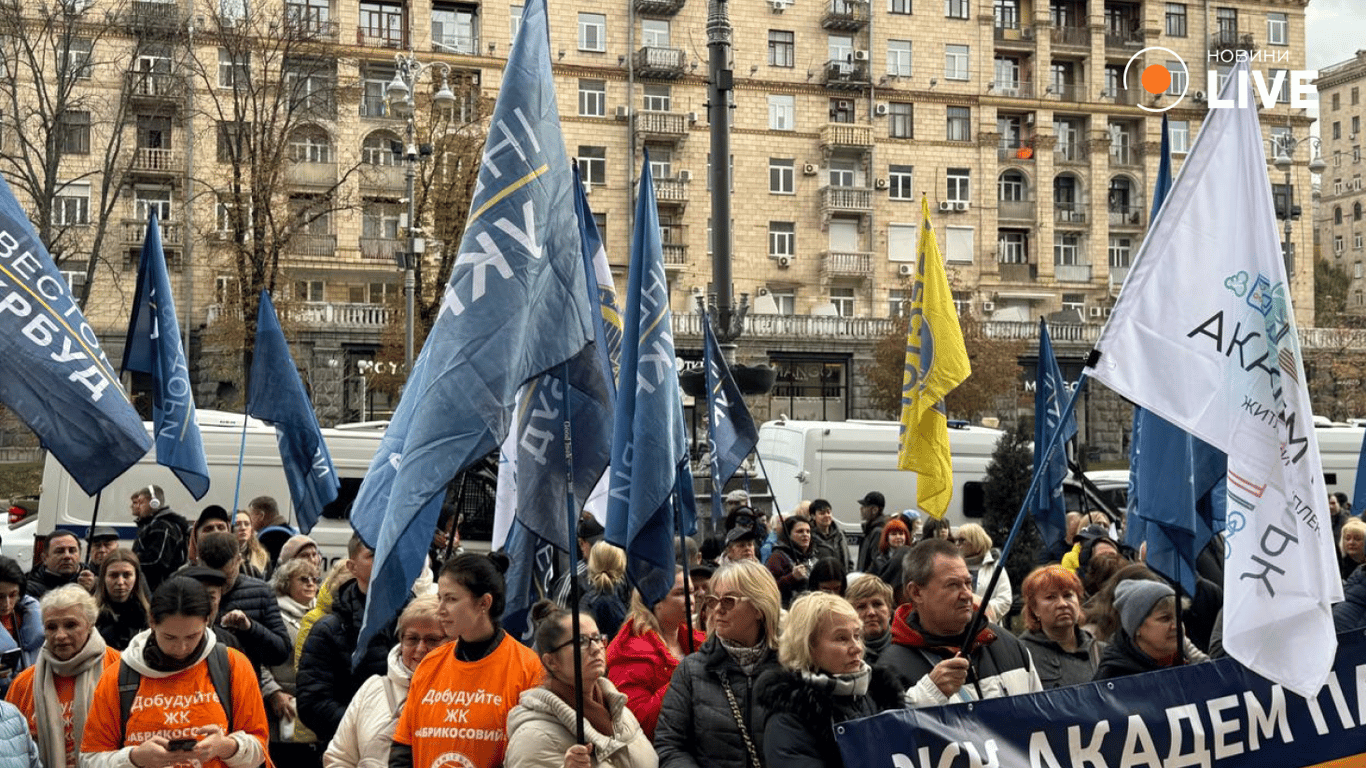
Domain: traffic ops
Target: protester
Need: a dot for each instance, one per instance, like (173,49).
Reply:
(744,531)
(792,557)
(643,655)
(213,519)
(890,547)
(872,601)
(122,598)
(1063,652)
(1146,639)
(162,545)
(17,749)
(698,724)
(1351,546)
(479,676)
(295,584)
(366,732)
(936,528)
(827,534)
(55,693)
(301,546)
(1351,612)
(827,575)
(270,527)
(590,532)
(982,561)
(61,565)
(248,606)
(542,727)
(925,655)
(176,660)
(255,558)
(21,624)
(871,508)
(823,681)
(103,540)
(608,591)
(1091,541)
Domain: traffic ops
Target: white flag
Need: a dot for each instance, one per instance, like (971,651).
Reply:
(1204,336)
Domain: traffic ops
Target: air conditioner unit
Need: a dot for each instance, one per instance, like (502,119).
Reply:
(685,175)
(763,291)
(961,205)
(692,117)
(860,55)
(905,270)
(623,112)
(1094,311)
(988,307)
(779,6)
(1029,119)
(880,184)
(946,205)
(1198,97)
(810,169)
(880,110)
(784,261)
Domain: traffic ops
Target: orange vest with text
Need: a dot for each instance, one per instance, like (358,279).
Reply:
(21,695)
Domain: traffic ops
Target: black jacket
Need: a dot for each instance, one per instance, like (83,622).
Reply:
(696,726)
(118,622)
(326,679)
(41,581)
(1351,612)
(872,537)
(1122,658)
(800,732)
(161,546)
(266,641)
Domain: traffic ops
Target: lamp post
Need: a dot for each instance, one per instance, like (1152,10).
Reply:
(408,70)
(1284,161)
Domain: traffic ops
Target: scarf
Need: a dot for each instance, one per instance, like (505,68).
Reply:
(849,684)
(86,667)
(748,658)
(157,660)
(594,706)
(875,645)
(906,630)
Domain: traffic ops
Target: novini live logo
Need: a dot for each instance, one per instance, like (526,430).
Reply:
(1294,87)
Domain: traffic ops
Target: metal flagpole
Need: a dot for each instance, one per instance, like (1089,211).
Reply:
(574,596)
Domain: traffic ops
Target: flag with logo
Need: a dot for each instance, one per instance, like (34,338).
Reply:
(936,362)
(1208,297)
(153,347)
(730,428)
(1050,509)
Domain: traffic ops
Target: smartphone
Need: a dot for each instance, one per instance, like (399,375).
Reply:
(11,659)
(181,745)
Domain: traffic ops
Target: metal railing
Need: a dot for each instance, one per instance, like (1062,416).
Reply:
(1126,215)
(847,264)
(1069,213)
(384,249)
(845,14)
(1014,32)
(1072,273)
(379,37)
(311,246)
(856,199)
(1023,89)
(1079,37)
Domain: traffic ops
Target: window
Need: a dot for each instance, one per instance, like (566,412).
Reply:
(312,291)
(956,62)
(1277,29)
(514,22)
(782,239)
(1121,250)
(901,182)
(1010,187)
(843,172)
(1337,244)
(1357,242)
(592,32)
(1337,101)
(899,58)
(232,72)
(73,130)
(1337,130)
(1179,131)
(1337,186)
(310,145)
(309,16)
(1280,80)
(1008,75)
(380,219)
(378,149)
(959,185)
(1176,19)
(1180,78)
(455,28)
(1007,14)
(782,176)
(1356,96)
(1074,302)
(843,299)
(956,9)
(1356,154)
(593,165)
(782,112)
(233,138)
(225,218)
(899,6)
(73,59)
(658,98)
(1356,126)
(841,110)
(959,125)
(311,214)
(901,120)
(1356,212)
(785,299)
(71,206)
(1012,247)
(840,52)
(958,245)
(1067,249)
(896,302)
(381,24)
(1357,270)
(147,200)
(654,33)
(1337,214)
(782,48)
(1227,21)
(592,98)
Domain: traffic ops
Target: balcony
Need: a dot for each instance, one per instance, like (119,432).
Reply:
(1071,92)
(1117,276)
(1068,213)
(381,37)
(846,136)
(845,14)
(1015,150)
(660,63)
(1124,154)
(152,16)
(464,45)
(326,316)
(846,75)
(1014,35)
(155,87)
(846,200)
(1018,89)
(1018,273)
(1070,152)
(1230,40)
(1017,210)
(377,107)
(1127,35)
(661,126)
(675,255)
(134,231)
(383,177)
(152,161)
(801,327)
(310,246)
(1072,273)
(309,25)
(311,174)
(385,249)
(658,7)
(1126,216)
(847,264)
(672,190)
(1071,37)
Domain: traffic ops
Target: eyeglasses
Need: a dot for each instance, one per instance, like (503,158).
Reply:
(431,641)
(596,637)
(725,604)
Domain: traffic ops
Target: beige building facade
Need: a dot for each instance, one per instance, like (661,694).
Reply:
(1339,217)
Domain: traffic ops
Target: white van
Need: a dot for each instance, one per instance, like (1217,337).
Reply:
(62,504)
(1340,449)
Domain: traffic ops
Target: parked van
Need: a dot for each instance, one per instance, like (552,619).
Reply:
(1340,449)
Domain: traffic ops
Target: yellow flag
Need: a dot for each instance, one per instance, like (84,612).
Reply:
(936,362)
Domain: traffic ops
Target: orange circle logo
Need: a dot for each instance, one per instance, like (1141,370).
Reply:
(1156,79)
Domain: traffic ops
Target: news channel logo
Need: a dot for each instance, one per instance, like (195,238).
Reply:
(1156,79)
(1295,88)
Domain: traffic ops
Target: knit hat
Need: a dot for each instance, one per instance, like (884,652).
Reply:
(1135,598)
(295,545)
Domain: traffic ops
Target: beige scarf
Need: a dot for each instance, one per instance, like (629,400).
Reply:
(86,666)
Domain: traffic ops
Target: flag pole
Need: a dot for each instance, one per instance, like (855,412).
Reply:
(687,574)
(574,597)
(241,451)
(94,518)
(979,618)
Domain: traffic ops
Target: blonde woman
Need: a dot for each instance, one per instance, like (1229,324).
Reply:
(710,715)
(608,591)
(823,681)
(982,561)
(1351,546)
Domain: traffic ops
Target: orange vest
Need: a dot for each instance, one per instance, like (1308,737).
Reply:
(21,695)
(457,711)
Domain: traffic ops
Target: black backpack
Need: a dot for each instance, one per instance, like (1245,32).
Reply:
(220,672)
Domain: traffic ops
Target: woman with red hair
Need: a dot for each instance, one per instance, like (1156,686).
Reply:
(1063,652)
(895,535)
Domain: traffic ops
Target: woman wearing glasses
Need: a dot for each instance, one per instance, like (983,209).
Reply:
(710,716)
(367,729)
(296,586)
(542,727)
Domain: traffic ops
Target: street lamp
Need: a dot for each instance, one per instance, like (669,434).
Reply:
(1285,146)
(407,71)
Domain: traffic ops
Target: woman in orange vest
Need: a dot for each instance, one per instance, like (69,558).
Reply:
(176,716)
(55,693)
(461,693)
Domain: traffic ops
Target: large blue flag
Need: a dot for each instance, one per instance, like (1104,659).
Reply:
(276,395)
(1050,509)
(649,444)
(1177,482)
(153,348)
(1359,489)
(55,377)
(515,307)
(730,428)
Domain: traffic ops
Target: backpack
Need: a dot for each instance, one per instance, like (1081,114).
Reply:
(220,672)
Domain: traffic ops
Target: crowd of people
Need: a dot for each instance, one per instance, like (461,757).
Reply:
(222,642)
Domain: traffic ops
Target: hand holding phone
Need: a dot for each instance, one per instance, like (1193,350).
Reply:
(10,661)
(181,745)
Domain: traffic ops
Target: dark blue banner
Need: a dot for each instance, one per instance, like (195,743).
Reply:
(730,428)
(1214,715)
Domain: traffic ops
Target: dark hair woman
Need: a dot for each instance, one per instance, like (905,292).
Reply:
(121,594)
(21,626)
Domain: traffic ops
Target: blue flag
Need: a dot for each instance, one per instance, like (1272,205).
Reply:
(1177,482)
(649,445)
(515,307)
(1050,509)
(55,377)
(153,347)
(276,395)
(730,428)
(1359,490)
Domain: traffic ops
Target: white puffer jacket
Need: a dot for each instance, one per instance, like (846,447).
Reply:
(367,729)
(541,729)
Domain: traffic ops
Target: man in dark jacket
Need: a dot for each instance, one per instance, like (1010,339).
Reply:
(61,565)
(871,508)
(161,543)
(248,606)
(928,633)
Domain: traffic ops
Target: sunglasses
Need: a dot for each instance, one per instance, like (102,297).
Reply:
(309,580)
(596,637)
(431,641)
(724,604)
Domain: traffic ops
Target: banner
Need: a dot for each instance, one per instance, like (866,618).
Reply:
(1050,509)
(1212,715)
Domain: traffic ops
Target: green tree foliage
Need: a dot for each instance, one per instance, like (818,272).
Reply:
(1330,293)
(1008,474)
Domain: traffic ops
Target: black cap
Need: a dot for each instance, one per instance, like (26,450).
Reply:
(104,533)
(740,533)
(590,530)
(213,512)
(701,571)
(203,574)
(873,499)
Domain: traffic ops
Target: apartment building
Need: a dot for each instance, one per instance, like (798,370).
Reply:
(1016,118)
(1339,214)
